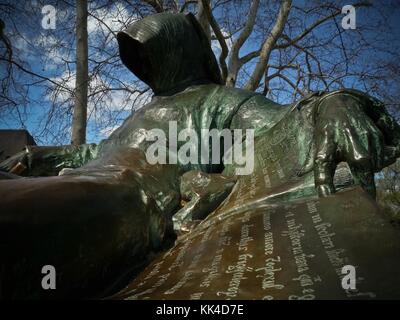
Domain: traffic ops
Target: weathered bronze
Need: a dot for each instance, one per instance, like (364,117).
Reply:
(101,221)
(289,250)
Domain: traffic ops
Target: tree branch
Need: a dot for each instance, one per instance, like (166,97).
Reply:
(220,37)
(187,2)
(234,62)
(315,25)
(157,5)
(288,81)
(35,74)
(268,46)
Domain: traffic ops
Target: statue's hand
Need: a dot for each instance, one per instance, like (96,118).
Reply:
(15,164)
(350,128)
(48,160)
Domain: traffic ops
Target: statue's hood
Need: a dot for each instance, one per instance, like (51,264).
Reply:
(168,52)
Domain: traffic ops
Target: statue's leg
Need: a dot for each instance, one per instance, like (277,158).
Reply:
(203,193)
(48,160)
(92,225)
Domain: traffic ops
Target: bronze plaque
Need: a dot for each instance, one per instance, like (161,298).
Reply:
(294,251)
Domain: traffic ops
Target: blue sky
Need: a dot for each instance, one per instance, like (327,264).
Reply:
(36,112)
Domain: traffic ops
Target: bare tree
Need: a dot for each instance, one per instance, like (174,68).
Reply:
(81,84)
(203,18)
(43,62)
(287,50)
(281,49)
(268,45)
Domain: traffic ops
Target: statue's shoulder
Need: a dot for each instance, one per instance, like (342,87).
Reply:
(246,98)
(233,95)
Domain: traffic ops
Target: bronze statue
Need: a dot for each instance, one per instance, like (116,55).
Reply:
(105,209)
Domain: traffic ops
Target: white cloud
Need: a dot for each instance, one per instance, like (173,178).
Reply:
(115,19)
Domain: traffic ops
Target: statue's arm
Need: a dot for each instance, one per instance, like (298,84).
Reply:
(48,160)
(341,126)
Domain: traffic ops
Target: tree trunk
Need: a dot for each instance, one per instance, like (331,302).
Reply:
(81,84)
(268,46)
(203,20)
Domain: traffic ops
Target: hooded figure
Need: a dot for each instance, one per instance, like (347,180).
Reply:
(97,222)
(170,53)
